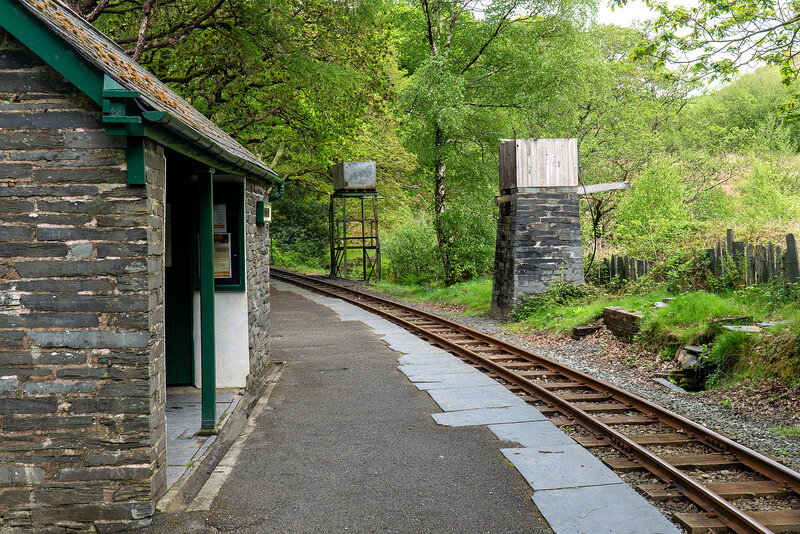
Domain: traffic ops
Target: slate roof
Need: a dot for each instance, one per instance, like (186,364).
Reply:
(106,55)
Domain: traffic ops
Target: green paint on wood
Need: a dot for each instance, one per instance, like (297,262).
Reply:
(136,161)
(207,320)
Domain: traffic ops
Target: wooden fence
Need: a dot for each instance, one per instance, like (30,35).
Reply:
(627,268)
(744,263)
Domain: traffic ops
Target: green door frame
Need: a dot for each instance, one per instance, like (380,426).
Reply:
(205,182)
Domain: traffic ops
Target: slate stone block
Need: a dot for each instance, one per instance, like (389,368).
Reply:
(33,250)
(48,320)
(8,386)
(10,405)
(47,268)
(93,234)
(93,139)
(89,339)
(121,250)
(15,171)
(85,303)
(64,422)
(29,140)
(72,474)
(8,206)
(136,388)
(16,233)
(52,120)
(52,388)
(95,206)
(11,339)
(12,475)
(77,494)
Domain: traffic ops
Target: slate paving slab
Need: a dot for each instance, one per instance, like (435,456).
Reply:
(426,358)
(424,373)
(601,510)
(487,416)
(560,466)
(536,434)
(457,380)
(472,397)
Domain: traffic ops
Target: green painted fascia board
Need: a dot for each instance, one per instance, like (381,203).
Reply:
(44,43)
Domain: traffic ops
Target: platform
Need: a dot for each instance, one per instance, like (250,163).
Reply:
(371,429)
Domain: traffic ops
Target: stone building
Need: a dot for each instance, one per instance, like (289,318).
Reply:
(131,257)
(539,227)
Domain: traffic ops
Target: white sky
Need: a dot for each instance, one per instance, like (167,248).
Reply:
(634,11)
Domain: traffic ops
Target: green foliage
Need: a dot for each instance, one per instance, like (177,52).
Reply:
(685,320)
(299,228)
(727,351)
(683,271)
(412,252)
(764,197)
(471,231)
(558,294)
(652,213)
(562,318)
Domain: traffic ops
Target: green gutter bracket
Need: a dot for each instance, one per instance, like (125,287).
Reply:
(120,117)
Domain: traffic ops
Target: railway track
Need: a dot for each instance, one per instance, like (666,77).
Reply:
(680,453)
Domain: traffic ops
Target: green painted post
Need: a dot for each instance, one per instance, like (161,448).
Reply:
(207,352)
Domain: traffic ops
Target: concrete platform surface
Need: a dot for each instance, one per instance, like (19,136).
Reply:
(347,444)
(184,446)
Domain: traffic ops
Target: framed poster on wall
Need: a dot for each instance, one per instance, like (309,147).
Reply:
(222,256)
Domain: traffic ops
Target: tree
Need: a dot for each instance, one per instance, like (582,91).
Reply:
(302,83)
(718,38)
(477,71)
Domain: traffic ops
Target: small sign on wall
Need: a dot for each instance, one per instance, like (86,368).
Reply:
(263,212)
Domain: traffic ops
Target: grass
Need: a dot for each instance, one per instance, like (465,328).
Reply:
(562,318)
(787,431)
(473,297)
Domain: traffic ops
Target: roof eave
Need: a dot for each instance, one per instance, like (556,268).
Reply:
(233,163)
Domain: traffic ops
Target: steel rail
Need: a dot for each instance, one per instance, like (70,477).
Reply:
(696,492)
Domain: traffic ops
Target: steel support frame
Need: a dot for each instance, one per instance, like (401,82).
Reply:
(341,240)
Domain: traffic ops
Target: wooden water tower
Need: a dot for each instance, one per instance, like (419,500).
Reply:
(353,220)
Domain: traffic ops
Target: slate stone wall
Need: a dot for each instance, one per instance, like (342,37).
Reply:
(81,312)
(257,244)
(538,243)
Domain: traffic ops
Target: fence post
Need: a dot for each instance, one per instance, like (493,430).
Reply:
(791,268)
(770,261)
(729,241)
(761,265)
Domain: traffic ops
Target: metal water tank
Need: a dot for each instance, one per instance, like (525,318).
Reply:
(354,176)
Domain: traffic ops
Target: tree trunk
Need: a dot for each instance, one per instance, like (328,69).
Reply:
(440,201)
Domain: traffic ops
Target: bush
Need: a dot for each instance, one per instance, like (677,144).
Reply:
(652,212)
(412,253)
(471,232)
